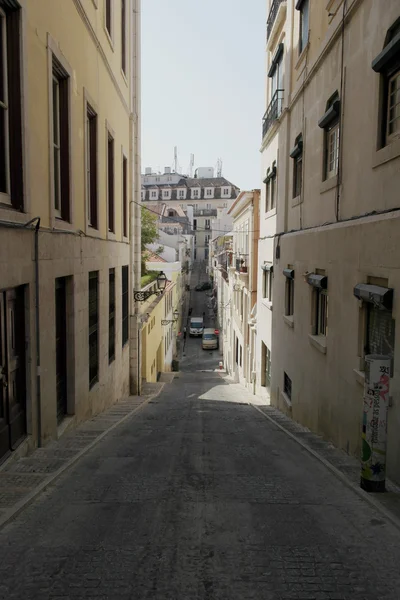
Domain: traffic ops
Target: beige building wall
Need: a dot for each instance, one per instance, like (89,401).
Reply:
(74,33)
(341,225)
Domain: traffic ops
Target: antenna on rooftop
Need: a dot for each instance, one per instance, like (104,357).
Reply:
(176,159)
(219,167)
(191,165)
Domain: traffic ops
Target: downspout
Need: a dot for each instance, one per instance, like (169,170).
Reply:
(37,327)
(135,201)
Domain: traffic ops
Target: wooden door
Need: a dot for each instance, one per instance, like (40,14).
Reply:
(15,351)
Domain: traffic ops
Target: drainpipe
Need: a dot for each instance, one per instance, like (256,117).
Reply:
(37,327)
(135,201)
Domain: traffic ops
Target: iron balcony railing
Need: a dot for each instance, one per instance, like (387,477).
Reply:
(272,16)
(273,111)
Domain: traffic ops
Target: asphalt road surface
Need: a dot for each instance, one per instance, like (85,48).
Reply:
(198,496)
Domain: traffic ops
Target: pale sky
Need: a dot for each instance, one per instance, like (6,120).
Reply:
(203,85)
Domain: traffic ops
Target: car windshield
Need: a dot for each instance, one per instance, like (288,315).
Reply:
(209,336)
(197,324)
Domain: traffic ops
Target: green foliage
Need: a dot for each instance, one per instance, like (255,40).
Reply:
(149,228)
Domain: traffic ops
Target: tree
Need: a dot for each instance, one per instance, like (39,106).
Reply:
(149,234)
(149,228)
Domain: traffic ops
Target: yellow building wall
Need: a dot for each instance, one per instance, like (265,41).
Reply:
(96,71)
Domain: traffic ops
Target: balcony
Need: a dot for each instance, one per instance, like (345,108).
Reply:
(276,16)
(241,267)
(273,111)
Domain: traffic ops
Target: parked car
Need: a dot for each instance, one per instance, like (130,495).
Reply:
(209,340)
(200,287)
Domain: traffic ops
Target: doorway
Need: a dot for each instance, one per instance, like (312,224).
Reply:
(61,348)
(12,370)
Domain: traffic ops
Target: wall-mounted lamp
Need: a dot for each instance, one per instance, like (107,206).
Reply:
(142,296)
(168,321)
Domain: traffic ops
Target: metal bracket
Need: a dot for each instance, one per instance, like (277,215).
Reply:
(143,296)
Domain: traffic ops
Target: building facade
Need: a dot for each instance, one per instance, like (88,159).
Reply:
(234,271)
(66,181)
(205,194)
(333,127)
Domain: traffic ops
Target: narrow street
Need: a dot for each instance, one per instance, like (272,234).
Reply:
(199,497)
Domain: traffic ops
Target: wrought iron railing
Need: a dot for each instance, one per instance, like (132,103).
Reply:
(272,15)
(273,111)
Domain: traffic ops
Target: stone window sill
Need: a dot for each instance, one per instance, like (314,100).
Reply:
(328,184)
(267,304)
(289,320)
(286,400)
(318,341)
(270,213)
(386,154)
(360,376)
(296,201)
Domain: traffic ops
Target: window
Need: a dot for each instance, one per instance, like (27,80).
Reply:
(195,254)
(207,224)
(265,366)
(195,240)
(380,332)
(171,213)
(287,385)
(289,297)
(321,313)
(108,16)
(387,64)
(124,196)
(206,253)
(393,119)
(11,164)
(166,194)
(110,182)
(297,155)
(195,194)
(93,328)
(181,193)
(123,36)
(267,281)
(194,224)
(111,315)
(61,154)
(154,194)
(207,239)
(330,123)
(304,8)
(275,73)
(91,166)
(125,305)
(270,188)
(208,206)
(209,192)
(143,195)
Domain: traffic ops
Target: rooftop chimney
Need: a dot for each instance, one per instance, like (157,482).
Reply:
(167,170)
(147,171)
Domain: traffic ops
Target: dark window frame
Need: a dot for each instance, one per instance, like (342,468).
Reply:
(303,6)
(125,304)
(125,211)
(61,118)
(91,166)
(297,155)
(111,315)
(108,17)
(123,36)
(111,182)
(387,64)
(289,297)
(94,320)
(12,170)
(287,385)
(321,312)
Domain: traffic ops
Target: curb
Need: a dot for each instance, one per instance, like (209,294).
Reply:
(364,495)
(13,512)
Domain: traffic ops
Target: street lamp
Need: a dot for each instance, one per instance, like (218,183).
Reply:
(167,322)
(142,296)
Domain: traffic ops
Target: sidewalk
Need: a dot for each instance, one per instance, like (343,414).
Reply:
(23,479)
(346,468)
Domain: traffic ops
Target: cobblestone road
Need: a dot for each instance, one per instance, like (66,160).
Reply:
(199,496)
